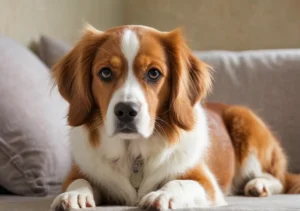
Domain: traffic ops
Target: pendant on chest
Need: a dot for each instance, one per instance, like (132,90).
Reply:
(136,172)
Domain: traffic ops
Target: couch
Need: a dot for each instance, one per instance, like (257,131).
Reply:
(34,155)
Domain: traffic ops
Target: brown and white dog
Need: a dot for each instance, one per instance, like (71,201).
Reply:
(143,136)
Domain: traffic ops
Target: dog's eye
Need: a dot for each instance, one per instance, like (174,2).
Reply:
(153,74)
(105,74)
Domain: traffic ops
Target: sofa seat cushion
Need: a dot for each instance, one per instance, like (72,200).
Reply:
(272,203)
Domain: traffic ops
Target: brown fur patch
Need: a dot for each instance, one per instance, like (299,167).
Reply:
(186,81)
(190,80)
(73,175)
(250,134)
(92,125)
(73,77)
(198,174)
(292,183)
(220,156)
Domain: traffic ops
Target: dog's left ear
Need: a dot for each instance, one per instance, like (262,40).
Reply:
(191,80)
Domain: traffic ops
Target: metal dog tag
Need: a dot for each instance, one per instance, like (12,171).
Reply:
(136,176)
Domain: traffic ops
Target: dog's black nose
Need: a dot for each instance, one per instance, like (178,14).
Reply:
(126,112)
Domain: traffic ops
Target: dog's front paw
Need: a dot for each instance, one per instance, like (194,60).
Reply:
(163,200)
(160,200)
(73,200)
(176,195)
(257,187)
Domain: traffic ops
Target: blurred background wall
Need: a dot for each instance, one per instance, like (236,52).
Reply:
(224,24)
(24,20)
(208,24)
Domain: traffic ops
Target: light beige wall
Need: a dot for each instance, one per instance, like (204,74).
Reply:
(209,24)
(223,24)
(24,20)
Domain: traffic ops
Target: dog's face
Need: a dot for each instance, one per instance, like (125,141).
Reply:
(132,79)
(129,79)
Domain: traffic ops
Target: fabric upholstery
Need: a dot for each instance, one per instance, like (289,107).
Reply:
(51,50)
(34,156)
(236,203)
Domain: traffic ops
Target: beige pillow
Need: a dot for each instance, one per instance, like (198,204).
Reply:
(34,154)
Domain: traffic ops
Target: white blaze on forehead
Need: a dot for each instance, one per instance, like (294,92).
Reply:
(130,47)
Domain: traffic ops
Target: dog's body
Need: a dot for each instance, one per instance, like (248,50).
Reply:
(142,135)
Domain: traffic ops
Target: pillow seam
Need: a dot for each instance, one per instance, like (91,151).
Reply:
(10,153)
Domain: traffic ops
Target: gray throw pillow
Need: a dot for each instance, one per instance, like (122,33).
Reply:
(51,50)
(34,154)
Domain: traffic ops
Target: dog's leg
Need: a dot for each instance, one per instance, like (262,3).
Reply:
(261,163)
(264,185)
(251,180)
(198,188)
(78,195)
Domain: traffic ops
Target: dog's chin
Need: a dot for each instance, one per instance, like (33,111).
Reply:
(129,136)
(129,131)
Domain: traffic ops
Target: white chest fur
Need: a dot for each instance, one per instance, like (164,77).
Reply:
(110,165)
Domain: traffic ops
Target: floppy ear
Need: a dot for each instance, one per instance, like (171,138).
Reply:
(73,76)
(191,80)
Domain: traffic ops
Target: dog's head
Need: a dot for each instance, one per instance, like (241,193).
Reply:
(133,80)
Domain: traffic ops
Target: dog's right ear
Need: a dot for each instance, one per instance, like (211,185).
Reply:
(72,75)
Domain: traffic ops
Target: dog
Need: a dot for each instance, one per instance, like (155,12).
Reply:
(142,133)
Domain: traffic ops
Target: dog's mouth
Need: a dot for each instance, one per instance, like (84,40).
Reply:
(127,131)
(128,128)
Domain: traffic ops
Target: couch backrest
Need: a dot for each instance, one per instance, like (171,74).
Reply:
(268,81)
